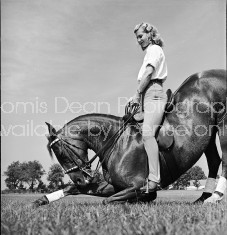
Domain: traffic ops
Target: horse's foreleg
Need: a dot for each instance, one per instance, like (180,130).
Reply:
(40,202)
(46,199)
(221,186)
(123,195)
(105,189)
(213,161)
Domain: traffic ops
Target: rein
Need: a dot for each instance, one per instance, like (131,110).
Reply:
(115,137)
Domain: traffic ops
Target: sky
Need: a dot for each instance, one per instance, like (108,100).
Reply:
(61,59)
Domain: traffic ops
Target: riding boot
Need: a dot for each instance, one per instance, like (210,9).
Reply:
(150,186)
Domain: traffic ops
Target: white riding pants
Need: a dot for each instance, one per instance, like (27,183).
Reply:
(154,105)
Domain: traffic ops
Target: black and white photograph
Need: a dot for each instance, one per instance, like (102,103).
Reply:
(113,117)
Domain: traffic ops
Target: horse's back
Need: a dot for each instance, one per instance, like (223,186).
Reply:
(213,82)
(210,82)
(207,88)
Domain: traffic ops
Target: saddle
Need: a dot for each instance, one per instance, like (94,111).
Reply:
(164,137)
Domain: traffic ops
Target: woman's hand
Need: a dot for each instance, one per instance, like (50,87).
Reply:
(136,98)
(133,102)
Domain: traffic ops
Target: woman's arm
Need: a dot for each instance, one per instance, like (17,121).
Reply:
(145,79)
(143,83)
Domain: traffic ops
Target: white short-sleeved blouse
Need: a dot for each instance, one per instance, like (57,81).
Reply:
(154,56)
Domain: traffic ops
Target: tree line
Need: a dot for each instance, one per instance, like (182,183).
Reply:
(194,174)
(26,177)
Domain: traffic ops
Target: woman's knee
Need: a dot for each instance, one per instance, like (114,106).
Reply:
(148,131)
(148,137)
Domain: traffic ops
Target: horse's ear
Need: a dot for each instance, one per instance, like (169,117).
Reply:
(48,136)
(51,129)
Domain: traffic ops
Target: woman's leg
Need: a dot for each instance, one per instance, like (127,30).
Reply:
(152,120)
(154,105)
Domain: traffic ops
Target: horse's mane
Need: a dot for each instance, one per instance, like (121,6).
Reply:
(86,117)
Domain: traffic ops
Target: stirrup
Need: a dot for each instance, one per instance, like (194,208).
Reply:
(147,189)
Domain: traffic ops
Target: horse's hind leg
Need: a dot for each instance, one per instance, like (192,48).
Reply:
(123,195)
(213,161)
(221,186)
(128,194)
(223,142)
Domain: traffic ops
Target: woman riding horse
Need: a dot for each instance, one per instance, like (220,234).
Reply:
(151,77)
(125,162)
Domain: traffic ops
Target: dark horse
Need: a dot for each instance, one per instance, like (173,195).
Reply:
(189,130)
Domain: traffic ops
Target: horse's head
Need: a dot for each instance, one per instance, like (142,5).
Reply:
(71,152)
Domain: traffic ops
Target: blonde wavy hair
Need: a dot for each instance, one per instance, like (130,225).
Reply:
(154,36)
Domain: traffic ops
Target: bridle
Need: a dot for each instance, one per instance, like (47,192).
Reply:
(77,166)
(110,143)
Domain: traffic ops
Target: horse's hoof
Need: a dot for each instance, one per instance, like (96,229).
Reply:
(215,198)
(203,197)
(153,196)
(40,202)
(197,202)
(148,197)
(34,205)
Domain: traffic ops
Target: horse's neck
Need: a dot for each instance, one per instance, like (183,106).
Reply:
(97,131)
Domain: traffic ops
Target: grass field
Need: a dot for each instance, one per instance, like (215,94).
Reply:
(171,213)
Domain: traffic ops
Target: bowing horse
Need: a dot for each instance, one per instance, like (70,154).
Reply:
(190,125)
